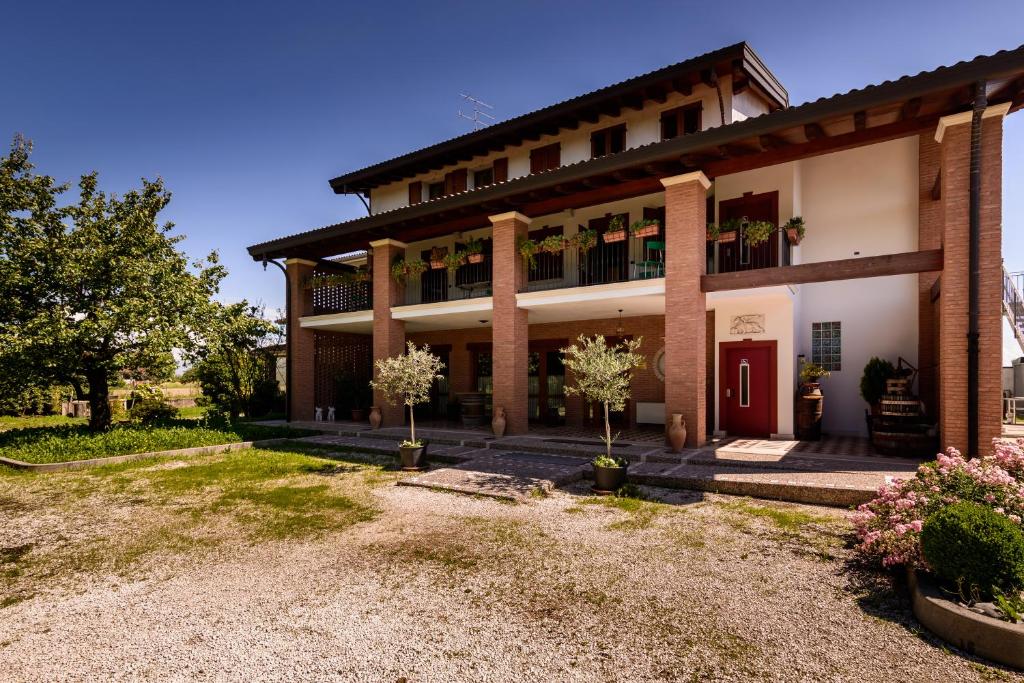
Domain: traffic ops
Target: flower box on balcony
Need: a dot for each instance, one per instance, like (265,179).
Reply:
(437,255)
(616,230)
(475,258)
(645,228)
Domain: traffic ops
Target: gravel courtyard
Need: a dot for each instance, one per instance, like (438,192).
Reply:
(288,566)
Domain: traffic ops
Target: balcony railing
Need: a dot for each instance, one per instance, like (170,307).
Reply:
(469,281)
(734,254)
(341,297)
(632,258)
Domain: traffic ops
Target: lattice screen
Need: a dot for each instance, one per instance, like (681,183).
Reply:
(336,352)
(341,298)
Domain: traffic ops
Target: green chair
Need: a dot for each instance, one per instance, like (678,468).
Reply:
(653,263)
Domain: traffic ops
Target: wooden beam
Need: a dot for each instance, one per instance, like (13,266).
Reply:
(708,77)
(826,271)
(910,108)
(814,131)
(769,141)
(657,94)
(635,102)
(683,87)
(860,120)
(836,143)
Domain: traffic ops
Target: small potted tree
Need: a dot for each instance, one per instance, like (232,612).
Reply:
(810,373)
(406,379)
(602,375)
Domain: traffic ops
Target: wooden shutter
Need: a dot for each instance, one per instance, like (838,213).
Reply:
(545,158)
(415,193)
(456,181)
(501,170)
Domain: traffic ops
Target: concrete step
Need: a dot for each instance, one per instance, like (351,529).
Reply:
(435,452)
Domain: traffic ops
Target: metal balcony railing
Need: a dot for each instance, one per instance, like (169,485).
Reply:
(735,254)
(632,258)
(469,281)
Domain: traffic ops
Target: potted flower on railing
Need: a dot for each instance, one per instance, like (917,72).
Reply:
(758,232)
(616,230)
(602,375)
(585,239)
(726,232)
(552,244)
(475,250)
(527,248)
(336,279)
(647,227)
(437,255)
(402,270)
(795,229)
(407,379)
(454,261)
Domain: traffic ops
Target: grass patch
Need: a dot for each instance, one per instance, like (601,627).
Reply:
(76,442)
(640,512)
(8,422)
(786,519)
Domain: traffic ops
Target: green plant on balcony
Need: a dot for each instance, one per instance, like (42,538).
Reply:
(527,249)
(616,231)
(454,260)
(726,232)
(402,269)
(758,232)
(475,250)
(552,244)
(585,239)
(795,229)
(645,227)
(338,279)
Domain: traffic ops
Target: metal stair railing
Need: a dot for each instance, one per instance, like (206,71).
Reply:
(1013,303)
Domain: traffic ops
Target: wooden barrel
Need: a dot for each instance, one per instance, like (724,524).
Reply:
(899,405)
(472,408)
(808,416)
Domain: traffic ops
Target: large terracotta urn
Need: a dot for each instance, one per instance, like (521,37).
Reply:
(498,422)
(375,417)
(676,433)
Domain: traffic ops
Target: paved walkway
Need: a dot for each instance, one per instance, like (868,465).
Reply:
(514,467)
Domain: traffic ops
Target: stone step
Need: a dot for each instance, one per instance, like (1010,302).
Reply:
(435,452)
(800,462)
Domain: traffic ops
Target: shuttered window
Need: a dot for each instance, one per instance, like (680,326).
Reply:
(608,141)
(501,170)
(545,158)
(455,181)
(680,121)
(415,193)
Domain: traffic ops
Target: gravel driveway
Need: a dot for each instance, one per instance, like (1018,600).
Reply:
(440,587)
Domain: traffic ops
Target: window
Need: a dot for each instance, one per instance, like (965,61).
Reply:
(435,190)
(501,170)
(680,121)
(744,384)
(456,181)
(545,158)
(826,345)
(608,141)
(415,192)
(483,178)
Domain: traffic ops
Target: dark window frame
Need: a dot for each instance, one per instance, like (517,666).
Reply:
(676,117)
(476,177)
(545,157)
(602,142)
(435,190)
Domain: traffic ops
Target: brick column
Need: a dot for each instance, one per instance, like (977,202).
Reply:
(388,333)
(509,327)
(685,309)
(953,135)
(300,340)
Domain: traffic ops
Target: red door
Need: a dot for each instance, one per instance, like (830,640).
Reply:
(747,392)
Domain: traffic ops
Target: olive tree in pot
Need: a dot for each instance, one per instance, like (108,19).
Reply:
(602,375)
(406,379)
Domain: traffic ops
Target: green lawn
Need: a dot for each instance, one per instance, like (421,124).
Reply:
(63,443)
(22,422)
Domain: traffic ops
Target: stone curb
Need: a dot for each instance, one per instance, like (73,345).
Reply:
(129,457)
(975,634)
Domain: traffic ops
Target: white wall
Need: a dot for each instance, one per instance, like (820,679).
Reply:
(776,304)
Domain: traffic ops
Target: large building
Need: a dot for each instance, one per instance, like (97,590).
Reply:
(592,216)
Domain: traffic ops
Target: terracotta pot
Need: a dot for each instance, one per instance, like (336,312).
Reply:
(475,258)
(646,231)
(793,235)
(375,417)
(436,265)
(616,236)
(810,389)
(676,433)
(609,479)
(498,422)
(727,236)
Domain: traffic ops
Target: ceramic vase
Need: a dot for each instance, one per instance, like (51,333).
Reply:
(677,433)
(498,422)
(375,417)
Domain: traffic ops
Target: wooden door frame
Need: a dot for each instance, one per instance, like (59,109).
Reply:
(773,379)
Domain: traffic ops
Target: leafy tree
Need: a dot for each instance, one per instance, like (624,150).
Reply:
(90,288)
(407,378)
(233,365)
(602,374)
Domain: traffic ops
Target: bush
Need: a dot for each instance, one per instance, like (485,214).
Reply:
(872,382)
(148,406)
(975,547)
(889,527)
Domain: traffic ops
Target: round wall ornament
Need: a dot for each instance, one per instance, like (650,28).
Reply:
(659,364)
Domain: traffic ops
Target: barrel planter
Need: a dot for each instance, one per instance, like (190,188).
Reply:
(808,409)
(472,408)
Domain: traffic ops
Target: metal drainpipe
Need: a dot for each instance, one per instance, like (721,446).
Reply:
(287,338)
(974,264)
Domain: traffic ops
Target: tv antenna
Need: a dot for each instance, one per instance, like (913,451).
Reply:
(478,111)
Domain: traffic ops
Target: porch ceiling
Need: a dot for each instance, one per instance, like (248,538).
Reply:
(643,297)
(358,322)
(446,315)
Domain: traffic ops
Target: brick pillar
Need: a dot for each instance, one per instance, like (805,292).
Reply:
(929,236)
(953,135)
(509,327)
(685,310)
(300,340)
(388,333)
(460,374)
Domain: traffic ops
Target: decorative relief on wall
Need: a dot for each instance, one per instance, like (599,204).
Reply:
(659,364)
(751,323)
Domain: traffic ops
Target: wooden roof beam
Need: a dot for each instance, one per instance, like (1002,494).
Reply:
(682,86)
(769,141)
(860,120)
(740,80)
(814,131)
(910,108)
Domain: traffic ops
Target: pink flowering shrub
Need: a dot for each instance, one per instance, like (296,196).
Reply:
(889,527)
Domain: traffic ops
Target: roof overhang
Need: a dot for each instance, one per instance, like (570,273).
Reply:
(873,114)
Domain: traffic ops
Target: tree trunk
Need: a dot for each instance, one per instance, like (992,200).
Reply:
(412,425)
(607,430)
(99,399)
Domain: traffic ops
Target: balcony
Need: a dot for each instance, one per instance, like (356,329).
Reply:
(606,262)
(730,253)
(346,292)
(468,281)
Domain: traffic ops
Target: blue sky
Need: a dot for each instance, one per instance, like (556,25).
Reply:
(247,109)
